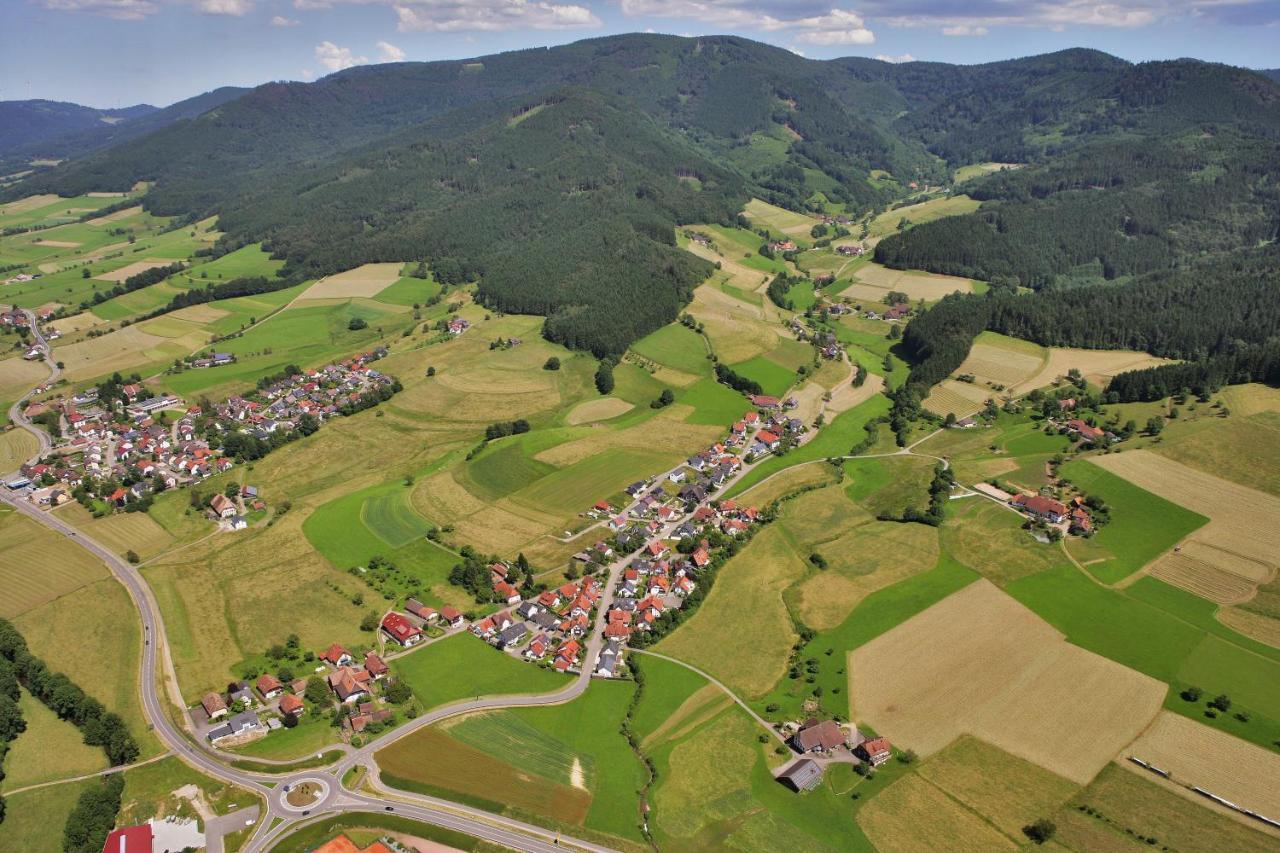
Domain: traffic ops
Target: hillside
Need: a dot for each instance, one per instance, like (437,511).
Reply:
(25,123)
(1129,168)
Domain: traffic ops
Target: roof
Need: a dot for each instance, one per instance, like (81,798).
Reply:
(803,775)
(333,654)
(374,664)
(130,839)
(290,704)
(268,682)
(399,627)
(877,745)
(1041,505)
(212,703)
(825,735)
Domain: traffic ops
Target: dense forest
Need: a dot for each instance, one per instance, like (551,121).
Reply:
(555,178)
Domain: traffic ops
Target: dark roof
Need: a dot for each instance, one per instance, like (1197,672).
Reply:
(802,775)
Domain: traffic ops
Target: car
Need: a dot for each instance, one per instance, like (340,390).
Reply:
(307,812)
(389,808)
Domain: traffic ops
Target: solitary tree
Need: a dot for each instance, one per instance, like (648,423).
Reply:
(1040,831)
(552,363)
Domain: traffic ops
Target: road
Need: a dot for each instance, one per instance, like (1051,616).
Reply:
(15,411)
(157,668)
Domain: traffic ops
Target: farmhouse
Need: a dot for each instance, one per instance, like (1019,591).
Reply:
(815,736)
(764,401)
(420,610)
(349,684)
(451,616)
(269,686)
(1038,505)
(877,750)
(291,706)
(222,506)
(214,706)
(1087,433)
(803,774)
(375,666)
(398,627)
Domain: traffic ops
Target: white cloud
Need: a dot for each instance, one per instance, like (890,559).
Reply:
(282,21)
(905,57)
(124,10)
(447,16)
(964,30)
(308,74)
(837,26)
(388,52)
(337,58)
(235,8)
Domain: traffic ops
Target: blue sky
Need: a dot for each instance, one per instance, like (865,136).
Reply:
(114,52)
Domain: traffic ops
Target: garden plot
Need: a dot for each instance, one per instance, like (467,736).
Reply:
(1230,556)
(980,663)
(368,281)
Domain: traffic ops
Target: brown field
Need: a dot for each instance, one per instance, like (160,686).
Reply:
(118,215)
(917,285)
(131,270)
(1135,801)
(122,532)
(980,663)
(432,757)
(787,481)
(56,244)
(1098,366)
(737,330)
(870,557)
(1242,537)
(17,377)
(31,202)
(78,322)
(669,423)
(367,280)
(912,815)
(1002,365)
(1006,790)
(121,350)
(846,397)
(37,566)
(1196,754)
(597,410)
(16,447)
(1203,579)
(199,314)
(959,398)
(1261,628)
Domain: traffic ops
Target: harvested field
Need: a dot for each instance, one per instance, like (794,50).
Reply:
(912,815)
(846,397)
(123,350)
(368,280)
(980,663)
(1241,539)
(1198,755)
(780,219)
(1244,449)
(738,331)
(131,270)
(60,566)
(56,244)
(118,215)
(1261,628)
(1002,361)
(871,557)
(31,202)
(1098,366)
(958,398)
(917,285)
(200,314)
(78,322)
(597,410)
(16,447)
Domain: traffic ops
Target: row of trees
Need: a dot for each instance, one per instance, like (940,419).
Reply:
(146,278)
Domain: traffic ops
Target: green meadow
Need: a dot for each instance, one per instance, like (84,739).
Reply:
(464,667)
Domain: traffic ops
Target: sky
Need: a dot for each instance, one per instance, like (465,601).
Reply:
(112,53)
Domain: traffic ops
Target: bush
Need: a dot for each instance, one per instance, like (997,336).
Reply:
(1040,831)
(357,323)
(1192,694)
(552,363)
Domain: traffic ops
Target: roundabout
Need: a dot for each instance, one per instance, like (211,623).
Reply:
(303,795)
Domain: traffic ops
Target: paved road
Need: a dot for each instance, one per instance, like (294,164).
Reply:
(15,411)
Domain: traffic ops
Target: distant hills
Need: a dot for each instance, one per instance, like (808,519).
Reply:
(54,130)
(556,176)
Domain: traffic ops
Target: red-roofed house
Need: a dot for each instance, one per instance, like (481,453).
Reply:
(375,665)
(1086,432)
(398,627)
(1041,506)
(506,592)
(451,615)
(269,686)
(877,750)
(291,706)
(130,839)
(336,655)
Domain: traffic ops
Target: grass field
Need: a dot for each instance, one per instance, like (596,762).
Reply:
(980,663)
(887,222)
(977,170)
(367,280)
(591,411)
(677,347)
(989,538)
(392,519)
(462,667)
(63,567)
(33,819)
(49,749)
(794,225)
(913,815)
(1242,448)
(773,377)
(873,282)
(566,762)
(16,447)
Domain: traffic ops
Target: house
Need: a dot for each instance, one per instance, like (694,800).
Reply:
(506,592)
(768,439)
(1087,433)
(242,723)
(1081,523)
(269,686)
(130,839)
(1038,505)
(375,666)
(537,648)
(458,325)
(816,736)
(897,312)
(398,627)
(610,657)
(877,750)
(215,708)
(291,706)
(803,774)
(350,685)
(222,506)
(763,401)
(451,616)
(657,549)
(512,635)
(417,608)
(240,692)
(336,656)
(528,610)
(783,245)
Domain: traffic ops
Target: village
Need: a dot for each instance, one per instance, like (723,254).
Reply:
(116,445)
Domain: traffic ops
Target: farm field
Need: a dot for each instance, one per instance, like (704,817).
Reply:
(367,281)
(977,170)
(989,539)
(29,816)
(16,447)
(1001,360)
(1240,540)
(462,667)
(980,663)
(794,225)
(591,411)
(951,397)
(566,763)
(1196,755)
(1097,366)
(1133,804)
(872,281)
(915,214)
(49,749)
(65,567)
(1243,448)
(912,814)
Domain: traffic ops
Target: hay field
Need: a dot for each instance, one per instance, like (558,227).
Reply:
(1243,448)
(123,350)
(1001,360)
(31,202)
(779,219)
(746,601)
(121,532)
(912,815)
(1097,366)
(131,270)
(869,558)
(78,322)
(787,481)
(37,566)
(57,244)
(1196,754)
(958,398)
(1261,628)
(935,208)
(16,447)
(591,411)
(980,663)
(917,285)
(368,280)
(17,377)
(1242,537)
(738,330)
(118,215)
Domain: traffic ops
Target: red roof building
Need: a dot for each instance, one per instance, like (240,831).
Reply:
(399,628)
(130,839)
(1044,507)
(291,705)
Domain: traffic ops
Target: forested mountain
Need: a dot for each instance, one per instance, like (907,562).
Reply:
(27,139)
(555,176)
(24,123)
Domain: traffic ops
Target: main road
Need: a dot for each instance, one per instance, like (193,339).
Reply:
(157,668)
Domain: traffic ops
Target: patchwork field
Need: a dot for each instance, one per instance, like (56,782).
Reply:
(367,280)
(979,663)
(1232,554)
(1196,755)
(911,815)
